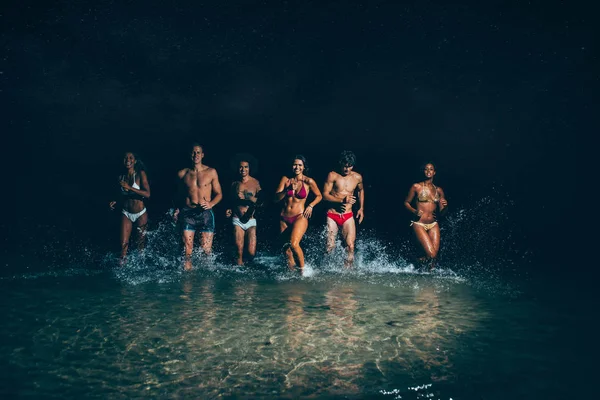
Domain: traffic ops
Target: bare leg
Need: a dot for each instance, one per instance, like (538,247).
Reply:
(126,226)
(349,234)
(206,241)
(298,231)
(188,243)
(424,240)
(251,239)
(288,251)
(239,243)
(141,231)
(332,231)
(434,235)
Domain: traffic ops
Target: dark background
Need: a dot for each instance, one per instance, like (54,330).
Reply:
(495,93)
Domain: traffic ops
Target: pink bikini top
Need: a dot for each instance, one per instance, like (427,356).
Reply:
(300,195)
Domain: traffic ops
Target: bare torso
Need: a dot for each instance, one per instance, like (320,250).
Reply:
(343,186)
(132,202)
(197,185)
(426,201)
(244,191)
(294,205)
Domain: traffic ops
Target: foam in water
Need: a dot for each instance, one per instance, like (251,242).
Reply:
(476,249)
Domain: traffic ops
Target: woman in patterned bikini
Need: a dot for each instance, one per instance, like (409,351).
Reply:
(295,213)
(429,202)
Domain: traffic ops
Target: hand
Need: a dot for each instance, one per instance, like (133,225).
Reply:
(205,204)
(296,185)
(360,215)
(228,213)
(349,199)
(443,203)
(419,213)
(241,195)
(125,185)
(112,205)
(175,214)
(308,212)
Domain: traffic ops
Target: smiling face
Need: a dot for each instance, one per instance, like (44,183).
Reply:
(429,171)
(298,167)
(129,160)
(244,169)
(197,154)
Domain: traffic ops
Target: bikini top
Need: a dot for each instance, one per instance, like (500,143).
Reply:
(135,186)
(424,196)
(300,195)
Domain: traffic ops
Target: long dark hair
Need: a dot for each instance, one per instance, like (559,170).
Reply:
(301,158)
(139,164)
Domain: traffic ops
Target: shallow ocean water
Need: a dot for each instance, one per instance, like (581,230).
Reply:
(381,330)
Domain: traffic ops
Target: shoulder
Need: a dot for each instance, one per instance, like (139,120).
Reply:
(357,176)
(308,181)
(181,173)
(332,175)
(416,186)
(210,171)
(254,181)
(440,189)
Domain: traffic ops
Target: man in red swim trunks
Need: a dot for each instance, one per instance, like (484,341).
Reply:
(339,192)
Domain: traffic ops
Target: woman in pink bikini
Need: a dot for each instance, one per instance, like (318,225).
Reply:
(134,190)
(294,193)
(430,201)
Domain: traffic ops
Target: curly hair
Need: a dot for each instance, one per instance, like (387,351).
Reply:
(234,162)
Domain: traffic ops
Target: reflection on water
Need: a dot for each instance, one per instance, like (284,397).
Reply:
(205,337)
(379,330)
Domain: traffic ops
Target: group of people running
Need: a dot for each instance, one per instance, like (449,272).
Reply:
(199,191)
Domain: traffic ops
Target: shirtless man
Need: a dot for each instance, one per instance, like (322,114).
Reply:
(339,192)
(244,196)
(199,192)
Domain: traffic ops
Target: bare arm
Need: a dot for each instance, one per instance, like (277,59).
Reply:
(409,198)
(258,199)
(315,188)
(318,197)
(328,188)
(360,214)
(361,193)
(216,189)
(443,205)
(144,189)
(281,189)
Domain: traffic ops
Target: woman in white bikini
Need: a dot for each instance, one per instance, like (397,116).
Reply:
(430,201)
(134,190)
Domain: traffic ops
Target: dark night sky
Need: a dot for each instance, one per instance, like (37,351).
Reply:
(495,92)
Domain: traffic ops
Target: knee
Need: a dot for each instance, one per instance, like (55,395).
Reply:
(124,245)
(295,245)
(431,253)
(350,247)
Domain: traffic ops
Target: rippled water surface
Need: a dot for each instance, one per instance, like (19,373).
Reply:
(378,331)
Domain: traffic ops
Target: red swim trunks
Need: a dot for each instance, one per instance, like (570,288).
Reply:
(340,218)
